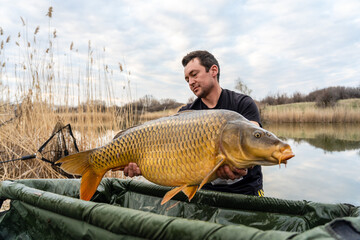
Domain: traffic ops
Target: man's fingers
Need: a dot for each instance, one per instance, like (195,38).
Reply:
(241,171)
(221,173)
(230,174)
(225,172)
(137,171)
(132,170)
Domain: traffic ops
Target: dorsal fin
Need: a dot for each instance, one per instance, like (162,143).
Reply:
(122,131)
(181,112)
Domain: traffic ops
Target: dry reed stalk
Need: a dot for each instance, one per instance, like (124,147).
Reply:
(40,87)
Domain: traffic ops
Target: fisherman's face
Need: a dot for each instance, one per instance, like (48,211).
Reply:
(200,81)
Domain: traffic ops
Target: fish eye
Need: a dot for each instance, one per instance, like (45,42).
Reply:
(257,134)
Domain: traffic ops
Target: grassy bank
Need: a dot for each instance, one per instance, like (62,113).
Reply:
(345,111)
(342,131)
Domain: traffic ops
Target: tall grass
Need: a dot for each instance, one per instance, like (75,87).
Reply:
(341,131)
(51,88)
(345,111)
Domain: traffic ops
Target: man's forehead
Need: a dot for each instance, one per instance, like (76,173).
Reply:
(193,64)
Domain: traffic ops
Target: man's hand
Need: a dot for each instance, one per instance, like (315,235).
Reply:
(225,172)
(132,170)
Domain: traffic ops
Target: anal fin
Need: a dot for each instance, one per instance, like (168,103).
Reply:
(170,194)
(89,182)
(190,191)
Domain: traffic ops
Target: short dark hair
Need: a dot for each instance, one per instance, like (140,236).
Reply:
(206,59)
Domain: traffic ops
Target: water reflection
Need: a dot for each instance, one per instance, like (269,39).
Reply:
(330,144)
(325,167)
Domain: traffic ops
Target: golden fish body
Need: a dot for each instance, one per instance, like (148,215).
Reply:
(183,150)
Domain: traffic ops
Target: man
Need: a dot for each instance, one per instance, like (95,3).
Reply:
(202,73)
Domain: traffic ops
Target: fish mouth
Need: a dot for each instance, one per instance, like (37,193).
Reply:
(286,156)
(283,154)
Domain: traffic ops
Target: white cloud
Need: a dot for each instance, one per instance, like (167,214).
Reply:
(272,45)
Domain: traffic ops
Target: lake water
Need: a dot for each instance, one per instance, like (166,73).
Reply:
(326,166)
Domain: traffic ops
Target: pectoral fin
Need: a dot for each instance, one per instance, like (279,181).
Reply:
(206,179)
(170,194)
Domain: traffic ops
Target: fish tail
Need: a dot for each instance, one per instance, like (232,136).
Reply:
(79,164)
(76,163)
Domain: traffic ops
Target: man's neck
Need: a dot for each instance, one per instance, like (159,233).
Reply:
(212,98)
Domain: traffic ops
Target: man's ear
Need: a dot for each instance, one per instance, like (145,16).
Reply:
(214,70)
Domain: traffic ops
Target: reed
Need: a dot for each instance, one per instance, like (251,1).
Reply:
(345,111)
(51,88)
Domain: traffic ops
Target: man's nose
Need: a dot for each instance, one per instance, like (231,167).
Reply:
(191,81)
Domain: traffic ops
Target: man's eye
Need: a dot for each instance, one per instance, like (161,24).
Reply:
(194,74)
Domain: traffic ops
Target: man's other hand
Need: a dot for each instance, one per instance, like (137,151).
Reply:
(132,170)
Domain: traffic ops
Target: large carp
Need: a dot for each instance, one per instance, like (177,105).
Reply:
(183,151)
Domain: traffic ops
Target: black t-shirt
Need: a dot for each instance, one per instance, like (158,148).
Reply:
(251,184)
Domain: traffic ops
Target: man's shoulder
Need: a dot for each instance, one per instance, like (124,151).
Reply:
(193,105)
(235,95)
(185,107)
(236,99)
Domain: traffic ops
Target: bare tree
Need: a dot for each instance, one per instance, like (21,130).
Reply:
(241,86)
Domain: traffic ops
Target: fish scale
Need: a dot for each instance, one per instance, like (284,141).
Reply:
(183,151)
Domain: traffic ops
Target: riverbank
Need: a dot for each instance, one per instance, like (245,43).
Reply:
(23,133)
(345,111)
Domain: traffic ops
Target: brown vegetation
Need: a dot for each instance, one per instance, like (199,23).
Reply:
(345,111)
(46,95)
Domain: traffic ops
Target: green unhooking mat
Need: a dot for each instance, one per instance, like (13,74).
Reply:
(129,209)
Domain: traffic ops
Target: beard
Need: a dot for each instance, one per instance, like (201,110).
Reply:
(203,91)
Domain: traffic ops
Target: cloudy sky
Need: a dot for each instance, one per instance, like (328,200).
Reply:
(274,46)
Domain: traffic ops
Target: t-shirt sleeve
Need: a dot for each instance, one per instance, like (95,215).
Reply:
(249,110)
(185,107)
